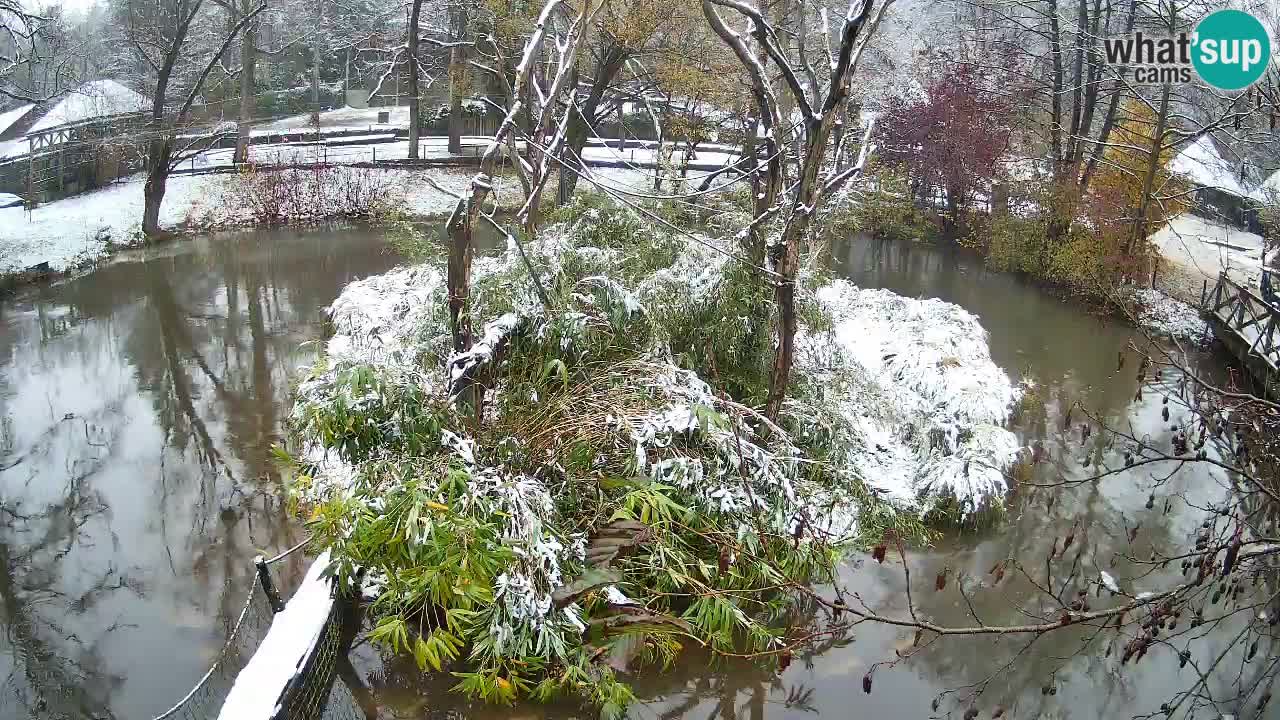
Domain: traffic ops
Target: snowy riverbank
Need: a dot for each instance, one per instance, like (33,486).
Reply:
(67,234)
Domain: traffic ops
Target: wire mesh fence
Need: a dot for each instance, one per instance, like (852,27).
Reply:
(307,695)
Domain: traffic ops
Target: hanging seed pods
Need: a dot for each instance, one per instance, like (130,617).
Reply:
(784,660)
(1184,657)
(1233,551)
(1253,650)
(878,553)
(941,582)
(866,683)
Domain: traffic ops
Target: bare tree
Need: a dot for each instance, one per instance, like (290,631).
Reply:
(415,93)
(458,72)
(540,80)
(20,34)
(160,34)
(818,108)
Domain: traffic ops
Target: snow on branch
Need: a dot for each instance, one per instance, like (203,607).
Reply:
(465,367)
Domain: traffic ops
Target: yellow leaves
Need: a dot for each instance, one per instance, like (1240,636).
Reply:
(436,506)
(632,23)
(713,83)
(1123,170)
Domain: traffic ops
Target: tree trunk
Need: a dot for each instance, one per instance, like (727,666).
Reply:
(459,276)
(248,53)
(786,259)
(1149,176)
(415,103)
(159,149)
(153,190)
(1055,99)
(315,70)
(457,79)
(580,123)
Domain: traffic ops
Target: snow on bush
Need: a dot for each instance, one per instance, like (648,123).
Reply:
(296,194)
(497,508)
(923,400)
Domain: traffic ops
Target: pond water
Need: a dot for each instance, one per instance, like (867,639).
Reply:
(139,404)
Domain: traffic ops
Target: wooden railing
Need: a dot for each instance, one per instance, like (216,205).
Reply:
(1255,321)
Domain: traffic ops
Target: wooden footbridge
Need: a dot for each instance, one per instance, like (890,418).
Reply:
(1250,328)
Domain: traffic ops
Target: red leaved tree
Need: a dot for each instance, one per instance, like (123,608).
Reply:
(950,137)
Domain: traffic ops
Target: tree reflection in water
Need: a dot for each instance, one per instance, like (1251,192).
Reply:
(138,406)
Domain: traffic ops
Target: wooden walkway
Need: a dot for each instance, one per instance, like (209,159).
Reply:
(1249,327)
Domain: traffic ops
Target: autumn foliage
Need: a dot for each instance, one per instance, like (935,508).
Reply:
(949,138)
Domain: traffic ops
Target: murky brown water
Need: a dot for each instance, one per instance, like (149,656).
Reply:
(139,404)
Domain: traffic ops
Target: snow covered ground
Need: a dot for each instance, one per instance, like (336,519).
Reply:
(76,231)
(1203,248)
(1168,316)
(342,118)
(348,151)
(337,151)
(80,229)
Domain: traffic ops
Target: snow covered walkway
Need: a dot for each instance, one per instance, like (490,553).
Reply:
(1198,249)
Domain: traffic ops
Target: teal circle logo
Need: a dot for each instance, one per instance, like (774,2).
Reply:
(1231,49)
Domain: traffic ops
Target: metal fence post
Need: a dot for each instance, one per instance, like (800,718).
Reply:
(268,586)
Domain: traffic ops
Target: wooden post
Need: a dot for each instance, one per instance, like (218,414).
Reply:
(269,587)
